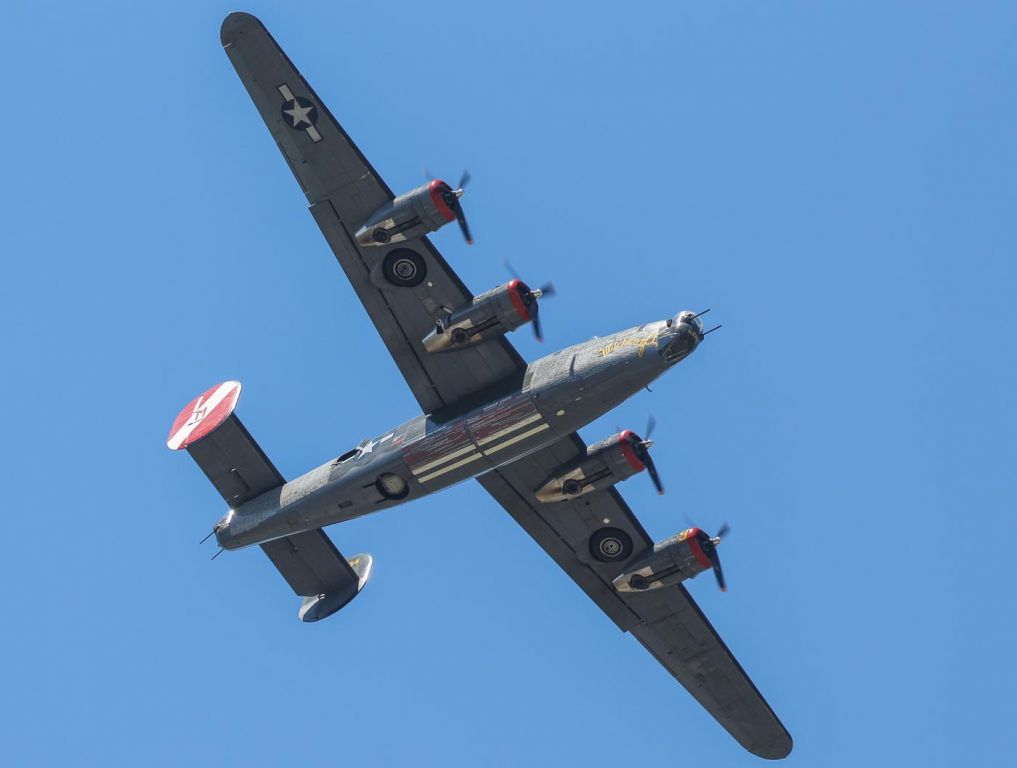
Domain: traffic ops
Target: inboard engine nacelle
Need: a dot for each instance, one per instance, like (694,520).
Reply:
(608,462)
(413,214)
(489,315)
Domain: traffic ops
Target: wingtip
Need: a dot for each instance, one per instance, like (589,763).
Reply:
(234,25)
(775,750)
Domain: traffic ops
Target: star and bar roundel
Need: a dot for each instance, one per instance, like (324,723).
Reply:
(299,113)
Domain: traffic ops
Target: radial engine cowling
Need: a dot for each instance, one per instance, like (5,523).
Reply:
(673,560)
(419,211)
(608,462)
(489,315)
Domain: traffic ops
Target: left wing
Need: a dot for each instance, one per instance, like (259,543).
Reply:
(666,621)
(344,190)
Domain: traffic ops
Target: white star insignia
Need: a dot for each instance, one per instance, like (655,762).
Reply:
(299,114)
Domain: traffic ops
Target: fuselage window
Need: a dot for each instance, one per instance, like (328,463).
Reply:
(347,456)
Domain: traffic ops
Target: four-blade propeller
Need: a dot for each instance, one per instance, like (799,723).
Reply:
(641,447)
(451,197)
(529,297)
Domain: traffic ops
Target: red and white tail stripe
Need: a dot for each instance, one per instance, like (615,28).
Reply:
(203,414)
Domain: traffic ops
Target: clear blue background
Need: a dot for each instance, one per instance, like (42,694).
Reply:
(836,180)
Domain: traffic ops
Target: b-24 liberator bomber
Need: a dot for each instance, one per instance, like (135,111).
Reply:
(486,413)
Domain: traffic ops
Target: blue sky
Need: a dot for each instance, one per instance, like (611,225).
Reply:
(835,180)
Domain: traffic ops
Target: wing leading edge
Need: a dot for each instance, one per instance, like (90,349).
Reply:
(666,621)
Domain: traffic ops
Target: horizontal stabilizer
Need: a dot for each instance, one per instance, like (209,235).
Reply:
(210,431)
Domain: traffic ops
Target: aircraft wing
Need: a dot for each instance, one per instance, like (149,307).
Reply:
(666,621)
(343,190)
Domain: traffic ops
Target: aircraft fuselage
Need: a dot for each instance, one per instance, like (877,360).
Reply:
(558,394)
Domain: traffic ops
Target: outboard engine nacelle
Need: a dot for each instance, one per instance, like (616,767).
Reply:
(424,209)
(489,315)
(673,560)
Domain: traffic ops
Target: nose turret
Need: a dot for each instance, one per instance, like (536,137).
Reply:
(686,333)
(690,318)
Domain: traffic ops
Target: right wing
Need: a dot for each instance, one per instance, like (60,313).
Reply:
(666,621)
(343,190)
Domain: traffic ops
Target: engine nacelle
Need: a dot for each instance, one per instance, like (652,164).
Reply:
(419,211)
(489,315)
(606,463)
(673,560)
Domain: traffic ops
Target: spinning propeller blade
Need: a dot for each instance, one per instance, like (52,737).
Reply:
(457,209)
(535,318)
(641,445)
(711,553)
(717,570)
(652,469)
(460,215)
